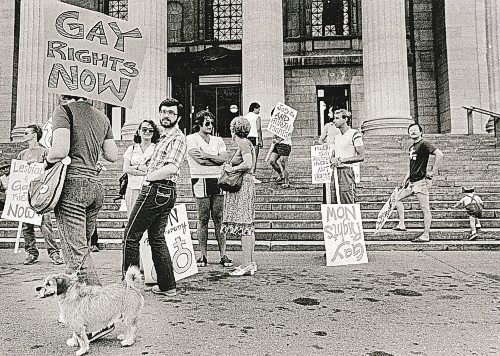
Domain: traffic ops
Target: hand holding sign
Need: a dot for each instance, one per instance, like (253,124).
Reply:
(282,120)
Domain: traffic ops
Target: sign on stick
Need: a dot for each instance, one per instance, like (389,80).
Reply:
(385,213)
(320,162)
(90,54)
(281,123)
(343,234)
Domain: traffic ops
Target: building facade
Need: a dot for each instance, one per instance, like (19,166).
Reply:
(390,62)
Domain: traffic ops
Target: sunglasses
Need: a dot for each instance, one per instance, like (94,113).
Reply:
(146,130)
(168,112)
(28,133)
(209,123)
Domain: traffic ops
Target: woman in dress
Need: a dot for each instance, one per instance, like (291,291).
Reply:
(239,207)
(136,158)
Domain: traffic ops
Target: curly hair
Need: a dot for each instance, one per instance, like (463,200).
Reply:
(36,129)
(156,132)
(240,126)
(200,118)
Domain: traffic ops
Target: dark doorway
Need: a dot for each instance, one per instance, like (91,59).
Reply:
(224,101)
(337,96)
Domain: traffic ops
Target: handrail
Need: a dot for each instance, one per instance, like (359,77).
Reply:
(492,126)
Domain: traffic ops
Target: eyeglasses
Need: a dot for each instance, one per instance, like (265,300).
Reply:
(28,133)
(169,112)
(145,130)
(209,123)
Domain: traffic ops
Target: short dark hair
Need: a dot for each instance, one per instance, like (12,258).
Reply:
(36,129)
(72,97)
(171,102)
(156,132)
(415,124)
(253,106)
(468,190)
(200,118)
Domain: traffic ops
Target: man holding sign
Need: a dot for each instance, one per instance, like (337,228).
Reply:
(36,153)
(348,149)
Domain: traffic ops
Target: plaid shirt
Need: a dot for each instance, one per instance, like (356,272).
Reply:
(170,149)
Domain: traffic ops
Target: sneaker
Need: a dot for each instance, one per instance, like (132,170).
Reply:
(30,260)
(421,239)
(94,248)
(256,181)
(473,236)
(56,259)
(202,261)
(225,261)
(98,334)
(168,293)
(285,186)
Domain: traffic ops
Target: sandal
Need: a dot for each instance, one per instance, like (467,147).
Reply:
(473,236)
(279,180)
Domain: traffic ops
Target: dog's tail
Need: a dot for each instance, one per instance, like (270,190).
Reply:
(133,278)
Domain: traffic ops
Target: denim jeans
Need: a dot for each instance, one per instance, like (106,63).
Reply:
(76,214)
(48,235)
(150,212)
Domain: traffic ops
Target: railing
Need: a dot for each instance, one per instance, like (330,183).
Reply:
(493,125)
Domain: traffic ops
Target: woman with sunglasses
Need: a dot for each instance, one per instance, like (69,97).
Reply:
(136,158)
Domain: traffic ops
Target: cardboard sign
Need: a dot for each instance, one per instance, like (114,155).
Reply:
(17,207)
(180,246)
(343,234)
(90,54)
(385,213)
(281,123)
(320,162)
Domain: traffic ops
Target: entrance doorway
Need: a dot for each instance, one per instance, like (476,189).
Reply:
(336,96)
(224,101)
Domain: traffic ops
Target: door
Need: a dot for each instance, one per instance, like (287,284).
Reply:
(336,96)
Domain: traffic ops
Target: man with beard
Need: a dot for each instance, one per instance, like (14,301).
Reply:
(156,200)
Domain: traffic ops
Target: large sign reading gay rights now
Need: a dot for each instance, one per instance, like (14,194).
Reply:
(90,54)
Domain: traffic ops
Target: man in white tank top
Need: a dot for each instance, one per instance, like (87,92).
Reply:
(255,134)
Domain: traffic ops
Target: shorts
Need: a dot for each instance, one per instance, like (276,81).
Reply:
(205,187)
(253,140)
(282,149)
(421,186)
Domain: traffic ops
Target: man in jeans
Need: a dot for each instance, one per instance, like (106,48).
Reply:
(156,200)
(36,153)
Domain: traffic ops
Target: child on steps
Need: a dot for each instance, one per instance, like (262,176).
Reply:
(474,207)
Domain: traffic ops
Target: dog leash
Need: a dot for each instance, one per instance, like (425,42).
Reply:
(83,261)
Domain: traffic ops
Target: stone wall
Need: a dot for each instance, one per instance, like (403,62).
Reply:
(7,72)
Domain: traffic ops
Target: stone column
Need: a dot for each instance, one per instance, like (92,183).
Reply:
(263,76)
(493,57)
(34,104)
(151,17)
(7,53)
(385,67)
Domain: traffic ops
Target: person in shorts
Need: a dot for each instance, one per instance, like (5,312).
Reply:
(419,179)
(255,135)
(206,155)
(473,205)
(279,158)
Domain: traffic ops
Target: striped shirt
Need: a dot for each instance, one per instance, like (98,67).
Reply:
(170,149)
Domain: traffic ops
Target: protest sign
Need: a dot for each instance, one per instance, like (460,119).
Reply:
(320,163)
(46,140)
(90,54)
(16,206)
(281,123)
(180,246)
(343,234)
(385,213)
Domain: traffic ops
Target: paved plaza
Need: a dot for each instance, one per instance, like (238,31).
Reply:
(400,303)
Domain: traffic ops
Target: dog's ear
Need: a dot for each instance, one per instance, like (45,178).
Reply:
(63,284)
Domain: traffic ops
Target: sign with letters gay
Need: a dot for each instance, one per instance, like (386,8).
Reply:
(90,54)
(343,234)
(17,207)
(180,246)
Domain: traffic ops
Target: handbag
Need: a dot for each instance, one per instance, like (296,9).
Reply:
(123,180)
(44,191)
(231,181)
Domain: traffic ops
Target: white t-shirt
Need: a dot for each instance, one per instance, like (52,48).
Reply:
(345,143)
(137,157)
(252,119)
(215,146)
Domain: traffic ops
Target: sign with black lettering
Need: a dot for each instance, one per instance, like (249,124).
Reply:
(320,163)
(343,234)
(90,54)
(281,123)
(180,246)
(17,207)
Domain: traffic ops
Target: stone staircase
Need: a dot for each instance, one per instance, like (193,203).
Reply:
(291,219)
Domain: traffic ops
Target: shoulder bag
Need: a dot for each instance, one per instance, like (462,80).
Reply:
(231,181)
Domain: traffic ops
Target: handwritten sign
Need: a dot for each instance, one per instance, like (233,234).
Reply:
(90,54)
(281,123)
(17,207)
(320,162)
(385,213)
(180,246)
(343,234)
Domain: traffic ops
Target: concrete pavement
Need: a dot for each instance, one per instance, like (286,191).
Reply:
(400,303)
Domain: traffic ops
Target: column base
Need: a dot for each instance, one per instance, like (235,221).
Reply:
(386,126)
(17,134)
